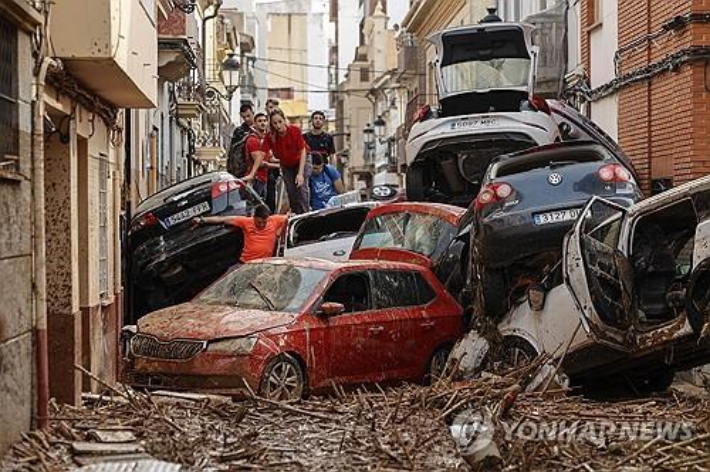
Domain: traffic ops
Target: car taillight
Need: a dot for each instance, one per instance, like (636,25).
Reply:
(422,113)
(614,173)
(540,104)
(492,193)
(149,219)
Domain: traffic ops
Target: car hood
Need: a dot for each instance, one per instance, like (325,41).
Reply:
(391,254)
(206,322)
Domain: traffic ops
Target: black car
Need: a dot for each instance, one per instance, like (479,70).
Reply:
(527,203)
(170,261)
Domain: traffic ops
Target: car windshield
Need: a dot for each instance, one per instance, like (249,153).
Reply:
(420,233)
(499,73)
(270,287)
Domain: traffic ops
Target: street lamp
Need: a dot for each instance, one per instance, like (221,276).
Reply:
(231,67)
(380,125)
(187,6)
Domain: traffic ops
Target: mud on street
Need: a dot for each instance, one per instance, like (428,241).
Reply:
(404,428)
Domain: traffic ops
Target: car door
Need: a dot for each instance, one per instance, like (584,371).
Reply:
(357,349)
(598,275)
(399,313)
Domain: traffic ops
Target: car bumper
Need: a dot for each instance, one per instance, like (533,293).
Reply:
(222,374)
(504,238)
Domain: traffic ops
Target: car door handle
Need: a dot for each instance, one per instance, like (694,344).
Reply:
(339,253)
(376,329)
(428,324)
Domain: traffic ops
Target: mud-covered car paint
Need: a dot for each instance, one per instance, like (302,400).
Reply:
(341,349)
(569,325)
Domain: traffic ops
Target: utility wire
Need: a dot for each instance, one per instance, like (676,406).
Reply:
(321,66)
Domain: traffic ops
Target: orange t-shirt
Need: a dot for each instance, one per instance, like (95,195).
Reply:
(259,243)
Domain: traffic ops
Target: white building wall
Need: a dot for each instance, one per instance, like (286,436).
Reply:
(603,42)
(318,20)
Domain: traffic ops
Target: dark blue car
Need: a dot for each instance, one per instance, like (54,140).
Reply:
(528,201)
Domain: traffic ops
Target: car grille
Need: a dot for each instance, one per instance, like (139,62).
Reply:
(179,349)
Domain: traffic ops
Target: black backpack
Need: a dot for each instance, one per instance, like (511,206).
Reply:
(236,158)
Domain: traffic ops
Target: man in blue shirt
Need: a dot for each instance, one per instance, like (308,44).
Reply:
(325,182)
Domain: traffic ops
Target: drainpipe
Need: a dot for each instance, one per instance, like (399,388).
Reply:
(40,254)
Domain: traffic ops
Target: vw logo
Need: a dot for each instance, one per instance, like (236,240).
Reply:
(554,178)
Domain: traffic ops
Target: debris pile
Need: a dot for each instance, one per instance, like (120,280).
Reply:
(409,427)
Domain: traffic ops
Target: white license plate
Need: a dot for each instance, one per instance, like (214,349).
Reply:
(186,214)
(559,216)
(475,123)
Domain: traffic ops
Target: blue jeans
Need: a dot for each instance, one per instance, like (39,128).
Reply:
(260,188)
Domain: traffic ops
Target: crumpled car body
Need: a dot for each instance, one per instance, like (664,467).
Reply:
(430,234)
(486,78)
(394,317)
(632,294)
(328,233)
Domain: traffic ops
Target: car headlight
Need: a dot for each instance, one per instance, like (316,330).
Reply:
(233,346)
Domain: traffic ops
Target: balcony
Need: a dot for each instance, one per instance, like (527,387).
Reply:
(176,55)
(110,47)
(189,99)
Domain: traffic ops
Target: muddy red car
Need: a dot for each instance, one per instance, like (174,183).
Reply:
(284,327)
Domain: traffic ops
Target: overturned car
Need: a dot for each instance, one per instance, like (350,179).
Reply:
(630,297)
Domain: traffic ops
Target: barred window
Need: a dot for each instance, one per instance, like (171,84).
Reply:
(9,133)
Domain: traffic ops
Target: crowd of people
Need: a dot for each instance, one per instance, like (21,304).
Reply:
(266,149)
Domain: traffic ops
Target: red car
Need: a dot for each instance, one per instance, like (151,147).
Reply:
(431,234)
(283,327)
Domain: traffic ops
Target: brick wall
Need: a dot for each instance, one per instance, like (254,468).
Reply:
(662,122)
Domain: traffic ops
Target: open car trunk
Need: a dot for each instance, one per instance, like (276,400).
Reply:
(451,170)
(485,68)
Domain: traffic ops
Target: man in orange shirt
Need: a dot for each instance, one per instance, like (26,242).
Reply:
(260,232)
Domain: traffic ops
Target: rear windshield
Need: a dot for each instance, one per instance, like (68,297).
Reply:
(159,198)
(424,234)
(543,160)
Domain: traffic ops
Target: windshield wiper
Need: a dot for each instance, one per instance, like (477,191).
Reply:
(266,299)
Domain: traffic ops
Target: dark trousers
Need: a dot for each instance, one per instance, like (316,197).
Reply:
(271,186)
(298,197)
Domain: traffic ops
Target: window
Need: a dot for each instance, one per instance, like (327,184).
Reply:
(365,74)
(395,288)
(424,291)
(352,291)
(595,13)
(9,129)
(103,225)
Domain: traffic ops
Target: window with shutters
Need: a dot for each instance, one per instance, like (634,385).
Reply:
(9,128)
(103,225)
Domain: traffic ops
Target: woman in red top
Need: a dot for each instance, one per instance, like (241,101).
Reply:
(289,148)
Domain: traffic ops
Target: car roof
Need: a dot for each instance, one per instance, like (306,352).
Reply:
(325,264)
(450,213)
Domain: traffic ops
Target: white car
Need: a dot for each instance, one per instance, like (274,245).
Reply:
(631,295)
(327,234)
(486,76)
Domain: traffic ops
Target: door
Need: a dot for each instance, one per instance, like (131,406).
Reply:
(356,347)
(598,274)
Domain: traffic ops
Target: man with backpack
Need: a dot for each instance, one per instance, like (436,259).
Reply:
(258,155)
(325,182)
(236,158)
(317,139)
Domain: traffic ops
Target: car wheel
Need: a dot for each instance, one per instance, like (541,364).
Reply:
(415,184)
(653,382)
(494,289)
(437,364)
(283,379)
(516,352)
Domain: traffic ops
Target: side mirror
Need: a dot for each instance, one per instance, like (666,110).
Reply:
(536,297)
(329,309)
(568,133)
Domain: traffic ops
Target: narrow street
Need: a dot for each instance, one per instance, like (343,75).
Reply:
(325,235)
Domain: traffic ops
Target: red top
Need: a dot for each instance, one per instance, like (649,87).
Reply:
(287,148)
(256,144)
(259,243)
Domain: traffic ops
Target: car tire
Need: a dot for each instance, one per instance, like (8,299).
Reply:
(415,184)
(437,366)
(494,289)
(283,379)
(516,352)
(649,383)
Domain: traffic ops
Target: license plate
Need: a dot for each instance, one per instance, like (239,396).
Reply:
(186,214)
(559,216)
(475,123)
